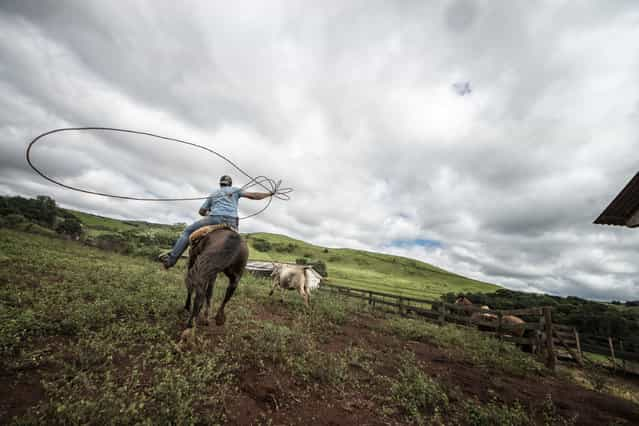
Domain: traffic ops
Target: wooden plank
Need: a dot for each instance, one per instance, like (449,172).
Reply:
(564,328)
(382,294)
(527,311)
(575,357)
(603,350)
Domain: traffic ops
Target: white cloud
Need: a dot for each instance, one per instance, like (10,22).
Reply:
(351,104)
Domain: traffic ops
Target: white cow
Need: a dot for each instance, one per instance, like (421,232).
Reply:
(289,277)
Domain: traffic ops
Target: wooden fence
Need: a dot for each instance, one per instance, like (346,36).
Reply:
(564,344)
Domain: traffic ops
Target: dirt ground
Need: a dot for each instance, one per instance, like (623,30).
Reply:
(285,402)
(272,396)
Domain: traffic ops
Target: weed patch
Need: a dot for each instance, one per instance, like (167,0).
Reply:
(474,347)
(416,395)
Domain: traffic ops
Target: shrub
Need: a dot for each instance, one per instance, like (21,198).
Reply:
(284,248)
(301,261)
(261,245)
(417,395)
(70,226)
(14,219)
(320,267)
(493,413)
(113,242)
(34,228)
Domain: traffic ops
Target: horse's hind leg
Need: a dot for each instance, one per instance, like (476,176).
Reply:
(187,304)
(199,281)
(204,319)
(197,306)
(234,279)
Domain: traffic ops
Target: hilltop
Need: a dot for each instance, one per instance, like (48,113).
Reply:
(346,267)
(366,270)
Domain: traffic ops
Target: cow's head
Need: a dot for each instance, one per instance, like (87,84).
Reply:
(276,270)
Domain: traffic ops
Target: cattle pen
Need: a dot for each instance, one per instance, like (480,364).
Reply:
(565,343)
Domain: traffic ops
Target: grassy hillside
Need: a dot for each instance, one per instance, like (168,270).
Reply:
(88,336)
(371,271)
(347,267)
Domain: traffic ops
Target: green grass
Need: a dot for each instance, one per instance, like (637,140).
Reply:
(346,267)
(372,271)
(477,348)
(99,334)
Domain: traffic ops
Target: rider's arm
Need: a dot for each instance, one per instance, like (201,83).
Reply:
(206,207)
(256,195)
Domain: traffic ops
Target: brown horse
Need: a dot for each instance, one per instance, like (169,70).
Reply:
(222,250)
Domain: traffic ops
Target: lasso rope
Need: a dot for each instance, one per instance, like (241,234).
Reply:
(270,185)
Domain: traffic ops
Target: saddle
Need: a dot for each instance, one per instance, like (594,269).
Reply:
(200,233)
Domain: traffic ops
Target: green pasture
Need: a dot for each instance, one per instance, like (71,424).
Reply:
(96,334)
(370,271)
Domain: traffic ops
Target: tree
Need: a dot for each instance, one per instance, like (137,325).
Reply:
(47,210)
(70,226)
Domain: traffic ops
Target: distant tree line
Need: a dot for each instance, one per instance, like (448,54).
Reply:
(42,211)
(589,317)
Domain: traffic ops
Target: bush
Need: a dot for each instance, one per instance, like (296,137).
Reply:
(417,395)
(34,228)
(320,267)
(301,261)
(70,226)
(493,413)
(113,242)
(14,219)
(284,248)
(261,245)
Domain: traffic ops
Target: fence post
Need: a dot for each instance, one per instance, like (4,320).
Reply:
(550,347)
(442,314)
(581,355)
(370,297)
(612,353)
(499,325)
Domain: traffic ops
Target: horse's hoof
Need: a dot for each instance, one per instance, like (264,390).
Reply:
(220,320)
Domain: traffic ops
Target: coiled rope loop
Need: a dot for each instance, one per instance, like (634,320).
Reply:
(269,185)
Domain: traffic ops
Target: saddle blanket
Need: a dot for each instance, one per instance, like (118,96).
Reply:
(198,234)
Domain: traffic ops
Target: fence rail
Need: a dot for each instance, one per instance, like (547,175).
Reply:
(565,339)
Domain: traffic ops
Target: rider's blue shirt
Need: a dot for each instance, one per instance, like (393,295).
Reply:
(223,202)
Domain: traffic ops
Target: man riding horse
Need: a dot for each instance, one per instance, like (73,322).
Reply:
(219,208)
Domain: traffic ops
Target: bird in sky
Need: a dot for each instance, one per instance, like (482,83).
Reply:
(462,88)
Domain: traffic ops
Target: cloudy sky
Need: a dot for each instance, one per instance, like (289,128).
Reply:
(353,104)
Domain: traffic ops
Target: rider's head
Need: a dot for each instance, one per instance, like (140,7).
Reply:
(226,180)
